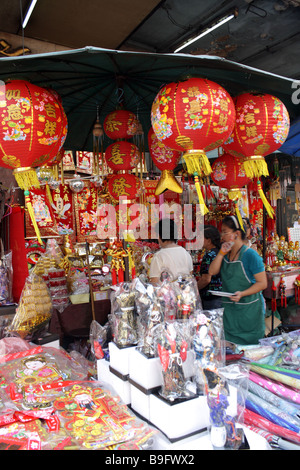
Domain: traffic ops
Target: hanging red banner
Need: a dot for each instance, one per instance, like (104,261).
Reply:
(85,205)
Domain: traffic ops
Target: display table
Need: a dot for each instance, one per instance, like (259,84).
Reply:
(78,317)
(275,276)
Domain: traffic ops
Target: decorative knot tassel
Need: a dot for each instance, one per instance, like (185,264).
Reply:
(32,216)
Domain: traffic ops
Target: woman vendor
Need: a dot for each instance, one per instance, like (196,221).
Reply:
(207,282)
(171,258)
(243,274)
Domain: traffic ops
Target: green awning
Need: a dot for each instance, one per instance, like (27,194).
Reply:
(92,78)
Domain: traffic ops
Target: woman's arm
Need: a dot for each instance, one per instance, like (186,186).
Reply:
(260,284)
(204,281)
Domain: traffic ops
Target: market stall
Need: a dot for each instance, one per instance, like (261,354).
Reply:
(152,356)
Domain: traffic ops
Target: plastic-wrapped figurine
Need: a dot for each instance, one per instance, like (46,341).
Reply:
(167,296)
(172,345)
(150,314)
(123,315)
(208,343)
(188,298)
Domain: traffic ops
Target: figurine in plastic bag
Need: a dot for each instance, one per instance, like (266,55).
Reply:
(167,297)
(123,315)
(188,298)
(224,431)
(172,345)
(150,314)
(98,339)
(208,343)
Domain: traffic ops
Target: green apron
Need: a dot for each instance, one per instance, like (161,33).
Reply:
(244,320)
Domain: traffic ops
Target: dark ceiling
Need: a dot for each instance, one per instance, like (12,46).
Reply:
(265,34)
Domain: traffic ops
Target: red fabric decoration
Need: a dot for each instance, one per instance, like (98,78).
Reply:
(196,114)
(228,173)
(120,124)
(33,125)
(166,160)
(122,155)
(261,126)
(17,246)
(123,186)
(193,116)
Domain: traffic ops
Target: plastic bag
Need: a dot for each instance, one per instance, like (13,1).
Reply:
(150,313)
(34,310)
(6,279)
(123,319)
(173,347)
(187,297)
(98,339)
(208,343)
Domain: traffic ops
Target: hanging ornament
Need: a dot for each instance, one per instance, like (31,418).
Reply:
(97,181)
(120,124)
(122,155)
(193,116)
(33,128)
(98,144)
(282,291)
(76,184)
(297,290)
(166,160)
(228,173)
(54,184)
(261,127)
(124,186)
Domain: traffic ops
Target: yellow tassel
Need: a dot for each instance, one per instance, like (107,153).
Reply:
(32,216)
(26,178)
(255,167)
(238,214)
(203,207)
(197,162)
(49,195)
(266,203)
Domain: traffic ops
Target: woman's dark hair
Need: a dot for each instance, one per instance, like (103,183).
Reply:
(212,233)
(167,230)
(232,222)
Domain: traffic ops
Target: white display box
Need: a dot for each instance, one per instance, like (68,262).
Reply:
(179,419)
(119,358)
(121,386)
(145,371)
(103,372)
(140,399)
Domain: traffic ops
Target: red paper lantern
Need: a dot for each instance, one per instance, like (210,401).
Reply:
(193,116)
(120,124)
(228,173)
(124,186)
(261,127)
(33,125)
(33,128)
(166,160)
(122,155)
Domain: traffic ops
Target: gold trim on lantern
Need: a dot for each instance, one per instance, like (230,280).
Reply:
(26,178)
(255,166)
(167,181)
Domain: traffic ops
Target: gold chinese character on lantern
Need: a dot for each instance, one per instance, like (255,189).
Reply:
(119,187)
(249,118)
(50,128)
(251,131)
(117,157)
(50,110)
